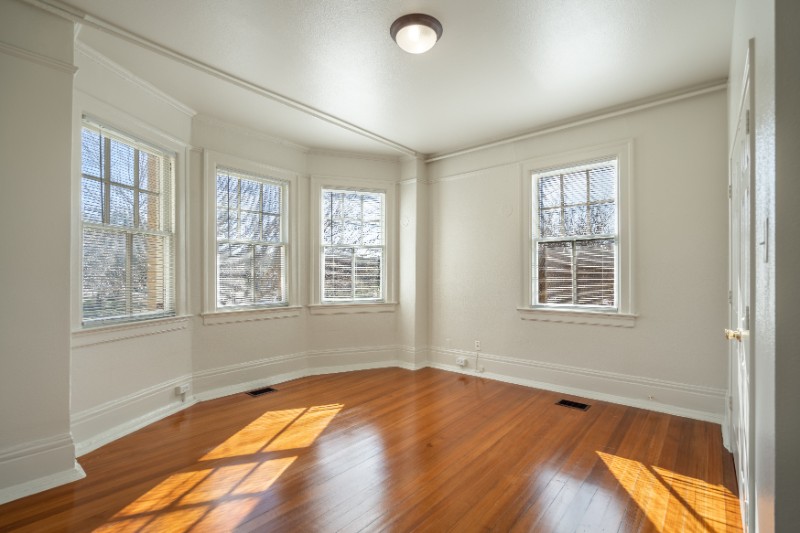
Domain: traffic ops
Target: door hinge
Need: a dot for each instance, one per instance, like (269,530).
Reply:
(747,122)
(730,191)
(730,297)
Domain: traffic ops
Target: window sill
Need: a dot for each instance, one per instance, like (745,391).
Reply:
(250,315)
(351,308)
(594,318)
(128,330)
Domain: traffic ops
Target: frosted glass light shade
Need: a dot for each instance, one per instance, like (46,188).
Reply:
(416,33)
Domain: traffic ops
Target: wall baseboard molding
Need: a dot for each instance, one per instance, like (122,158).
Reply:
(691,401)
(99,425)
(94,428)
(37,457)
(238,378)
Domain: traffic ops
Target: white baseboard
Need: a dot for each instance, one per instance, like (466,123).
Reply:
(238,378)
(100,425)
(691,401)
(38,458)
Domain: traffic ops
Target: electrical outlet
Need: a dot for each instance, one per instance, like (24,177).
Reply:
(461,361)
(477,346)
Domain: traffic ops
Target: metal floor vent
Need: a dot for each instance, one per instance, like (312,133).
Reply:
(573,405)
(259,392)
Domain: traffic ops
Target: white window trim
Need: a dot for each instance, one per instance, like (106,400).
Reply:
(212,315)
(388,303)
(623,315)
(115,119)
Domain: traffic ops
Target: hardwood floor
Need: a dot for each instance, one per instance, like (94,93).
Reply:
(395,450)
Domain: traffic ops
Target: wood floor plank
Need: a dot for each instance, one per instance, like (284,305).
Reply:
(396,450)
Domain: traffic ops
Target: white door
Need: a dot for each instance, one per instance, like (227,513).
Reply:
(741,249)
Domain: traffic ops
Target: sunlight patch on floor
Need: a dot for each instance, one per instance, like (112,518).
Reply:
(216,493)
(666,496)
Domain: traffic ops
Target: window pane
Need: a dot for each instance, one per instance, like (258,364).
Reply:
(150,171)
(368,274)
(575,188)
(575,220)
(249,226)
(121,206)
(272,199)
(250,195)
(104,274)
(371,233)
(603,219)
(550,191)
(372,207)
(555,272)
(223,182)
(235,274)
(269,280)
(338,264)
(121,162)
(550,223)
(603,183)
(91,148)
(92,200)
(147,274)
(594,263)
(272,228)
(149,212)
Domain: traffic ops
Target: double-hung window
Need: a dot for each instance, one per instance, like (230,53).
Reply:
(353,247)
(575,237)
(127,228)
(251,240)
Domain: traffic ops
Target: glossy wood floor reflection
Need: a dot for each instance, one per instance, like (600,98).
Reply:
(395,450)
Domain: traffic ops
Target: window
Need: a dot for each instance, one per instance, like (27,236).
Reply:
(575,236)
(577,249)
(251,240)
(127,228)
(353,250)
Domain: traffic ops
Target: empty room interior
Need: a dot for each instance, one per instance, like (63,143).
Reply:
(361,265)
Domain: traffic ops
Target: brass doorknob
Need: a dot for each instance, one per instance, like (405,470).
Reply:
(733,334)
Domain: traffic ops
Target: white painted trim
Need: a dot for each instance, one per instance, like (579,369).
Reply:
(42,484)
(33,57)
(88,424)
(119,70)
(621,320)
(38,451)
(351,308)
(250,315)
(681,399)
(129,330)
(574,122)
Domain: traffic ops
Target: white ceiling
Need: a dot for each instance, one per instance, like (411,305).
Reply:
(326,74)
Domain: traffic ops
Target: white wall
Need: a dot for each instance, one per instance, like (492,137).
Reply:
(772,25)
(36,448)
(675,352)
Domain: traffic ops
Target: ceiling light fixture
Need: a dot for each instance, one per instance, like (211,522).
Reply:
(416,33)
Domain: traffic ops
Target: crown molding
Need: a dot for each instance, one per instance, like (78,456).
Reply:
(215,122)
(33,57)
(109,64)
